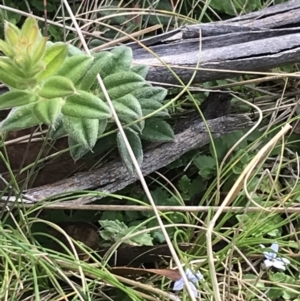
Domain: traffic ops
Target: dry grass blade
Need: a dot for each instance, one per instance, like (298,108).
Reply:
(258,159)
(126,38)
(134,160)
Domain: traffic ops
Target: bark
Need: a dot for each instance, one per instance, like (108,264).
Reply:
(114,176)
(254,42)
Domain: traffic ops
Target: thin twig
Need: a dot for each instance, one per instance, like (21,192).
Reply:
(126,38)
(234,209)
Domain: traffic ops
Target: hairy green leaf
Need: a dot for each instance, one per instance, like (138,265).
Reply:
(27,26)
(57,86)
(54,57)
(86,105)
(116,61)
(15,99)
(99,66)
(7,49)
(11,80)
(137,126)
(82,130)
(136,145)
(141,70)
(157,130)
(11,33)
(74,67)
(73,50)
(150,93)
(122,83)
(47,110)
(128,105)
(149,106)
(129,109)
(19,118)
(122,58)
(103,144)
(105,60)
(76,151)
(10,67)
(57,129)
(39,51)
(102,126)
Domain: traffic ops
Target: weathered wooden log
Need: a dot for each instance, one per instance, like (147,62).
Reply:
(254,42)
(114,176)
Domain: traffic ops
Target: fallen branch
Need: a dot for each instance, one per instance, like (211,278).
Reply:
(244,44)
(114,176)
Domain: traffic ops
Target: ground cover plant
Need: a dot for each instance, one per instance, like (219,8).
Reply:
(242,187)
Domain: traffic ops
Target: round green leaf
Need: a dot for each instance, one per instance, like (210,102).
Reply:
(82,130)
(206,165)
(15,99)
(57,86)
(157,130)
(86,105)
(74,67)
(47,110)
(19,118)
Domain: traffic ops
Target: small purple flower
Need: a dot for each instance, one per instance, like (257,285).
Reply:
(194,278)
(272,260)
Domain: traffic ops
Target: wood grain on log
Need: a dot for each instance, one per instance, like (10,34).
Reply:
(254,42)
(114,176)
